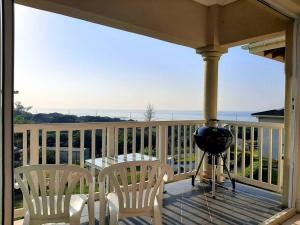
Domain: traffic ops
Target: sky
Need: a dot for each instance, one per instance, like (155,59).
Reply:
(66,63)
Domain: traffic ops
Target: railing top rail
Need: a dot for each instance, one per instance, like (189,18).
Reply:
(131,124)
(252,124)
(99,125)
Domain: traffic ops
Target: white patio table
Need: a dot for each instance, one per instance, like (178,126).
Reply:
(101,163)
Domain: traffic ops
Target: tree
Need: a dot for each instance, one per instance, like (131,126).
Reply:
(21,108)
(149,113)
(21,113)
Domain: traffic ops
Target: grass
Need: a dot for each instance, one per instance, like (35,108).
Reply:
(264,172)
(265,162)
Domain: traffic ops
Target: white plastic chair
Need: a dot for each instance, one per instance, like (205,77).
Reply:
(137,186)
(48,189)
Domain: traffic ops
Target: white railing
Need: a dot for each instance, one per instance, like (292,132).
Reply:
(260,148)
(251,159)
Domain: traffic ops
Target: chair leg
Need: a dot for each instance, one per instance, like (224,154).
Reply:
(91,211)
(75,220)
(113,215)
(26,219)
(157,217)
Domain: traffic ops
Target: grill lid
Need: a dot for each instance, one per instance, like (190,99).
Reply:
(213,140)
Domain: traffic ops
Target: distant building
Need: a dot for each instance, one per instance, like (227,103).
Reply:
(270,116)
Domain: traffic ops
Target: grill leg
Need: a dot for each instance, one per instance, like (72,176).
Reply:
(227,170)
(199,166)
(213,179)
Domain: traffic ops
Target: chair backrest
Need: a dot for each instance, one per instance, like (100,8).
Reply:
(47,189)
(136,183)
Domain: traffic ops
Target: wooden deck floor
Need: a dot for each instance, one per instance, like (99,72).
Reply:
(184,204)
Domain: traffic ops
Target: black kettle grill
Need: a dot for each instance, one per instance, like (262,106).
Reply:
(214,141)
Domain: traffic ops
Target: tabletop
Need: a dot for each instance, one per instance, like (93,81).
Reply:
(101,163)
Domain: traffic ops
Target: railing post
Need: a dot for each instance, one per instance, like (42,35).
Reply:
(34,146)
(162,152)
(110,142)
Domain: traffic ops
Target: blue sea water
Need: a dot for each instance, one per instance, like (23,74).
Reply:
(158,116)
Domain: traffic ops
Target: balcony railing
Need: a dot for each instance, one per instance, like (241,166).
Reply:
(255,158)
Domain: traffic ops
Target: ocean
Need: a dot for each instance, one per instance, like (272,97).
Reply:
(158,116)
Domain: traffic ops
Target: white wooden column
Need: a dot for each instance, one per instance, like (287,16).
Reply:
(211,56)
(288,110)
(6,114)
(291,172)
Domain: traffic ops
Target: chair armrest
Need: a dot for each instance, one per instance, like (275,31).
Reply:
(169,173)
(165,178)
(16,185)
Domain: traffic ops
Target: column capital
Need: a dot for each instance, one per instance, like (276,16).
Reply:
(212,51)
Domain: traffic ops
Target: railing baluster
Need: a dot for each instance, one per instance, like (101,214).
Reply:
(44,146)
(244,152)
(162,147)
(57,147)
(111,143)
(25,158)
(172,146)
(150,141)
(280,160)
(93,145)
(116,140)
(236,131)
(251,152)
(34,146)
(228,153)
(81,157)
(261,148)
(184,148)
(70,146)
(142,140)
(103,147)
(57,155)
(191,149)
(125,141)
(93,153)
(270,160)
(156,142)
(25,149)
(199,155)
(134,140)
(178,148)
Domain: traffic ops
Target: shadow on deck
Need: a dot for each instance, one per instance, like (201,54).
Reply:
(185,204)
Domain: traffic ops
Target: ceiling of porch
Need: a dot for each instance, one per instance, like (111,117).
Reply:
(184,22)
